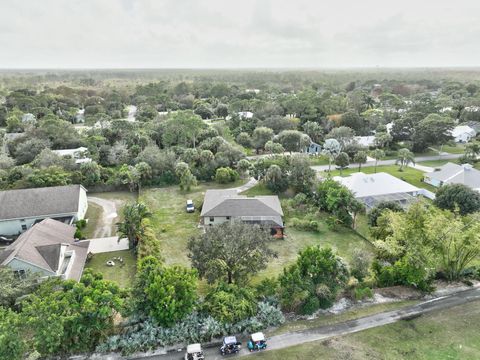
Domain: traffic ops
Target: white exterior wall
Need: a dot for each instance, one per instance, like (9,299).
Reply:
(14,227)
(82,204)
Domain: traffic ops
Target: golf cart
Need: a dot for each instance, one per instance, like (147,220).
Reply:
(190,206)
(230,345)
(194,352)
(257,342)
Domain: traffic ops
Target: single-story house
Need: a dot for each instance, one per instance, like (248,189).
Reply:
(463,134)
(451,173)
(79,154)
(365,141)
(20,209)
(47,248)
(220,206)
(313,149)
(372,189)
(245,114)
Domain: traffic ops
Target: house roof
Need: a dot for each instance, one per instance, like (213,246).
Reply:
(41,246)
(39,201)
(451,173)
(463,129)
(363,185)
(229,203)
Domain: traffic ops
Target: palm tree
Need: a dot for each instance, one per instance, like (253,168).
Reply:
(404,158)
(132,226)
(377,154)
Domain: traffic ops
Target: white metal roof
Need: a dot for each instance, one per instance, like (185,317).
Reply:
(194,348)
(258,336)
(363,185)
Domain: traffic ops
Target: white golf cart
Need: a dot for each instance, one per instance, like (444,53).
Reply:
(194,352)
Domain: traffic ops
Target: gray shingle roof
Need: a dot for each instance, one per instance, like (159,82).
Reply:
(451,173)
(46,201)
(228,203)
(41,246)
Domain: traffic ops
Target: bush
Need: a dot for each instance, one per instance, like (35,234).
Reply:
(363,293)
(402,273)
(226,175)
(311,305)
(305,224)
(143,335)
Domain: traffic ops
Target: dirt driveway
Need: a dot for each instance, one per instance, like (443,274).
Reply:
(108,217)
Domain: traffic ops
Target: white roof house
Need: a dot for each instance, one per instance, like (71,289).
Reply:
(79,154)
(365,141)
(245,114)
(374,188)
(463,133)
(451,173)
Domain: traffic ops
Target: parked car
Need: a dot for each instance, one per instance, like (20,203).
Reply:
(230,345)
(257,342)
(194,352)
(190,206)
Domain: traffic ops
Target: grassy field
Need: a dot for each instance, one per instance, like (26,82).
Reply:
(410,175)
(331,319)
(93,215)
(452,149)
(123,275)
(173,227)
(318,160)
(449,334)
(435,163)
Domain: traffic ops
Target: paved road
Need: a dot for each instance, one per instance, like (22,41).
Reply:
(348,327)
(392,162)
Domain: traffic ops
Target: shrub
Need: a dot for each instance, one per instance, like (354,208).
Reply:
(305,224)
(226,175)
(363,293)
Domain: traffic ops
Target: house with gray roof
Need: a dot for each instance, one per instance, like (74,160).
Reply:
(451,173)
(20,209)
(49,249)
(220,206)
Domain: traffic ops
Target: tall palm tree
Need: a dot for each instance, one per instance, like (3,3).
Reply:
(404,158)
(378,154)
(132,227)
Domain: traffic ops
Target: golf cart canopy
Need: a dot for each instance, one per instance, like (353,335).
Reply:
(229,340)
(258,337)
(194,349)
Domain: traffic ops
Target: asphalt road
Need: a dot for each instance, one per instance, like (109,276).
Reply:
(348,327)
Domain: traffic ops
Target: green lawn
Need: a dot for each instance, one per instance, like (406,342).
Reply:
(435,163)
(318,160)
(123,275)
(452,149)
(448,334)
(330,319)
(174,226)
(93,215)
(410,175)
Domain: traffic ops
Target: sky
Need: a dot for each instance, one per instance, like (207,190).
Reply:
(239,33)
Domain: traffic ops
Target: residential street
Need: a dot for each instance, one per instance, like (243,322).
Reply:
(348,327)
(319,168)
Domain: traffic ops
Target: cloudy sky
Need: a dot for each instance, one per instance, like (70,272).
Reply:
(238,33)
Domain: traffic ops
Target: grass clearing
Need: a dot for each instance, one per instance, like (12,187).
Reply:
(447,334)
(123,275)
(174,226)
(318,160)
(435,163)
(410,175)
(452,149)
(330,319)
(93,215)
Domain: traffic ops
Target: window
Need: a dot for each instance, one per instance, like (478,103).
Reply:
(24,227)
(19,274)
(228,217)
(212,219)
